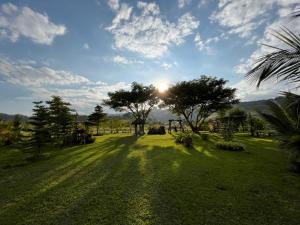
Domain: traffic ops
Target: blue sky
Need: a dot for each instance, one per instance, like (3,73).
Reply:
(83,49)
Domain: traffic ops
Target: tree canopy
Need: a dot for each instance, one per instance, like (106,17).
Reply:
(197,99)
(97,116)
(138,101)
(60,118)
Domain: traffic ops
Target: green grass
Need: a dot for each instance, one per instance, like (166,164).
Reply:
(123,180)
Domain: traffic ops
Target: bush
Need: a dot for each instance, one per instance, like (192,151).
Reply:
(185,139)
(7,138)
(230,146)
(80,136)
(155,130)
(90,139)
(205,137)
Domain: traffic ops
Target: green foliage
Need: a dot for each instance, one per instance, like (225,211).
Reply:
(61,120)
(230,146)
(150,180)
(205,136)
(16,129)
(227,128)
(285,119)
(10,131)
(256,125)
(157,130)
(282,63)
(184,138)
(197,99)
(40,127)
(139,101)
(97,116)
(238,118)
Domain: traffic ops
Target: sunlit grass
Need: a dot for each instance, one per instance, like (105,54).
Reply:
(150,180)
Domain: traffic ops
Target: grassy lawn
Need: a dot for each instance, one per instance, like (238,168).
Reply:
(123,180)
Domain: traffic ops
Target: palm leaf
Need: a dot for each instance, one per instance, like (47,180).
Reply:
(282,64)
(295,14)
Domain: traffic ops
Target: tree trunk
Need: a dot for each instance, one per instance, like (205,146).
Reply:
(135,130)
(98,129)
(143,128)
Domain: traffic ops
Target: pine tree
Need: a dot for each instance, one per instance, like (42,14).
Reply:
(97,116)
(60,118)
(39,123)
(16,128)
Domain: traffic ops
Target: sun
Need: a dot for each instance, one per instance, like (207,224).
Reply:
(162,85)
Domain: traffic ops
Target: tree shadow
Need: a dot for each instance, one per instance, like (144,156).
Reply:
(125,180)
(78,177)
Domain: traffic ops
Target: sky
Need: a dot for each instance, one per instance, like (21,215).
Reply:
(82,49)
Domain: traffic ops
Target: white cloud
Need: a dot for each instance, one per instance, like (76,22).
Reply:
(166,66)
(122,60)
(113,4)
(43,82)
(241,68)
(198,42)
(83,98)
(16,22)
(273,87)
(182,3)
(247,91)
(123,14)
(203,3)
(269,39)
(148,33)
(204,45)
(242,17)
(86,46)
(24,74)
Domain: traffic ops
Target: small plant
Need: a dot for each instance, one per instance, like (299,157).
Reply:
(157,130)
(227,130)
(205,136)
(230,146)
(185,139)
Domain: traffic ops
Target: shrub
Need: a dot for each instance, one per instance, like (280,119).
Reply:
(227,129)
(80,136)
(230,146)
(205,137)
(155,130)
(7,138)
(90,139)
(185,139)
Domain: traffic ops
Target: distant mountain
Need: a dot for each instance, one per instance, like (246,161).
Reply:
(251,106)
(260,105)
(254,105)
(6,117)
(164,115)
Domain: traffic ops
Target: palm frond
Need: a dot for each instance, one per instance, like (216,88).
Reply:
(295,14)
(282,64)
(292,107)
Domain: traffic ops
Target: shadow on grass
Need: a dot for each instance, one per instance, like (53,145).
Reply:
(99,172)
(122,180)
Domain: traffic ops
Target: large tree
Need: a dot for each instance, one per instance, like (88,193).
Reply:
(138,101)
(197,99)
(97,116)
(40,124)
(238,117)
(60,119)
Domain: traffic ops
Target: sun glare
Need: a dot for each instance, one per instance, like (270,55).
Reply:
(162,85)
